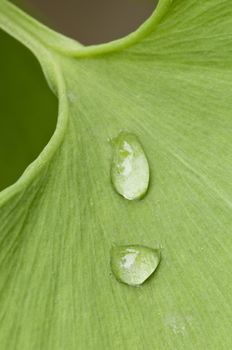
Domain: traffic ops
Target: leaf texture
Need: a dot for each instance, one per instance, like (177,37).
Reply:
(170,84)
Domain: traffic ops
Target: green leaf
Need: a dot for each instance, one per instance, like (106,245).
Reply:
(169,83)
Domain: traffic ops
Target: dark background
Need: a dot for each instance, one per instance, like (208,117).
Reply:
(91,21)
(28,109)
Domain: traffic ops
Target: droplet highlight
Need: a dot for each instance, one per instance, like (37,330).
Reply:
(134,264)
(130,168)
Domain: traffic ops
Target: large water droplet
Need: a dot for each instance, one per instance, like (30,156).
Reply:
(130,169)
(134,264)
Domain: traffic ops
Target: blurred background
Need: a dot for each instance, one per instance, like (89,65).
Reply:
(28,109)
(90,21)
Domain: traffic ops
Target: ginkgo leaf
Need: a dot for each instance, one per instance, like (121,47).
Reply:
(169,83)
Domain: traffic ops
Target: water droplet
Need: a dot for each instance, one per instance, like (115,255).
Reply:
(134,264)
(130,169)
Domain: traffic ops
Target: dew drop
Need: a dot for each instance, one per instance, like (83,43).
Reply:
(134,264)
(130,169)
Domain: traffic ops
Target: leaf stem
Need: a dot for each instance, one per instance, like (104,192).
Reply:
(32,33)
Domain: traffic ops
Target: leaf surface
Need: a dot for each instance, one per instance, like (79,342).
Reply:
(169,83)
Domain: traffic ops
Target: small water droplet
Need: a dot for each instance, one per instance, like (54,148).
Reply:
(71,96)
(134,264)
(130,169)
